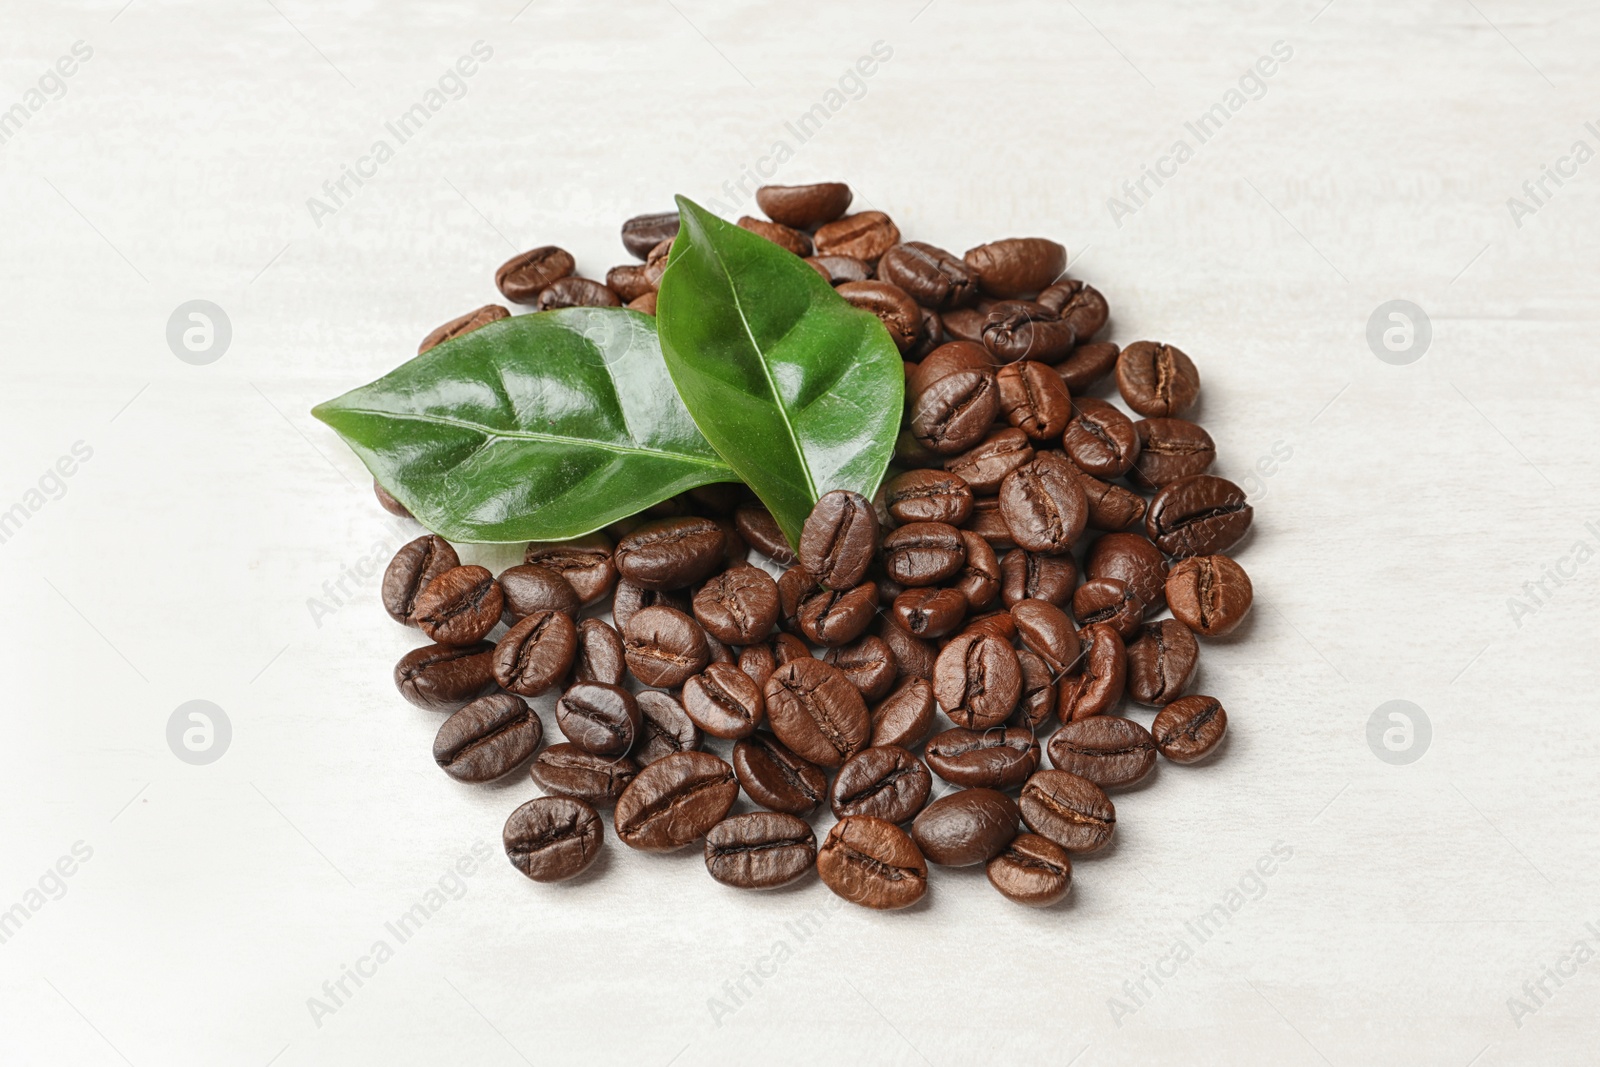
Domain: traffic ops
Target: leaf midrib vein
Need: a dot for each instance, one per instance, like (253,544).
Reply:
(534,435)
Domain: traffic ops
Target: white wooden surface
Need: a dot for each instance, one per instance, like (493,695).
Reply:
(1416,501)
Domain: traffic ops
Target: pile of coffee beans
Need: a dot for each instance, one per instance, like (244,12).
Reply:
(907,664)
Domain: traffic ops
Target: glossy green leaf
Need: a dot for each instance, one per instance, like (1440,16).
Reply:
(797,389)
(537,427)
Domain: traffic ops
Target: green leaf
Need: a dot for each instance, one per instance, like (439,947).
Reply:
(797,389)
(534,428)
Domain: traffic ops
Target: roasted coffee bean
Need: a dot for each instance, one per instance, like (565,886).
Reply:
(1100,439)
(1043,505)
(585,562)
(804,207)
(664,727)
(1108,750)
(913,656)
(996,758)
(932,336)
(928,496)
(631,599)
(1189,728)
(929,612)
(472,320)
(671,553)
(887,782)
(1132,560)
(645,304)
(387,501)
(786,648)
(1161,661)
(785,237)
(536,653)
(831,618)
(460,606)
(1032,870)
(924,553)
(905,716)
(674,801)
(599,656)
(575,292)
(795,587)
(899,314)
(1034,399)
(417,564)
(1079,304)
(869,663)
(1102,676)
(933,277)
(643,232)
(965,324)
(1017,266)
(664,647)
(724,702)
(966,827)
(978,581)
(946,360)
(989,523)
(1020,329)
(1109,602)
(1028,575)
(738,606)
(1111,506)
(777,779)
(567,770)
(490,737)
(1071,811)
(760,850)
(602,719)
(552,838)
(954,413)
(1170,449)
(655,261)
(839,538)
(840,269)
(756,525)
(532,587)
(977,681)
(985,466)
(872,862)
(866,235)
(995,623)
(758,661)
(815,710)
(1087,366)
(444,677)
(1198,516)
(1045,630)
(1157,380)
(523,277)
(1037,704)
(1209,594)
(720,653)
(629,281)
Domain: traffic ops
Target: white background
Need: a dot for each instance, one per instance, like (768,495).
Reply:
(181,559)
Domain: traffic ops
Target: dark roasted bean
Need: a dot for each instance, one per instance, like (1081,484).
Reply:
(1038,701)
(643,232)
(444,677)
(575,292)
(1108,750)
(839,538)
(996,758)
(1071,811)
(756,524)
(1100,440)
(815,710)
(1034,399)
(602,719)
(536,653)
(774,777)
(869,663)
(1198,516)
(904,716)
(1020,329)
(785,237)
(671,553)
(532,587)
(1108,601)
(899,314)
(417,563)
(933,277)
(629,281)
(567,770)
(866,235)
(472,320)
(1043,505)
(1190,728)
(1087,366)
(832,618)
(724,702)
(1209,594)
(928,612)
(913,656)
(946,360)
(1102,675)
(1045,630)
(985,466)
(631,599)
(804,206)
(1077,303)
(738,606)
(840,269)
(979,579)
(1111,506)
(977,681)
(674,801)
(966,827)
(1028,575)
(490,737)
(599,656)
(387,501)
(1032,870)
(758,661)
(552,838)
(1157,380)
(523,277)
(1170,449)
(924,553)
(1161,662)
(585,562)
(886,781)
(928,496)
(664,647)
(874,863)
(1132,560)
(664,727)
(955,412)
(760,850)
(460,606)
(1017,266)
